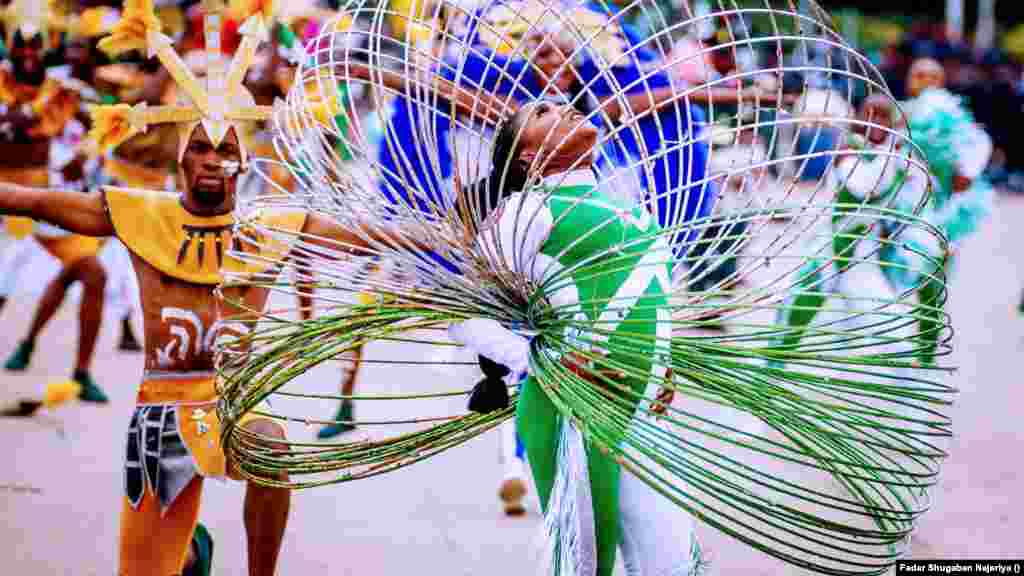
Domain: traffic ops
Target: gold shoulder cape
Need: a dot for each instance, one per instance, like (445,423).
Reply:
(157,228)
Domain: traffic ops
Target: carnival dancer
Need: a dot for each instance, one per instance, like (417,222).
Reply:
(957,150)
(867,177)
(399,157)
(179,245)
(276,79)
(558,143)
(568,306)
(81,33)
(36,110)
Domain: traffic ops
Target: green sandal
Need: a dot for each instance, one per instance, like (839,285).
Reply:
(22,357)
(202,547)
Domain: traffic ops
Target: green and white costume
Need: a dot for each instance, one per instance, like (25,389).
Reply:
(565,285)
(559,240)
(868,184)
(953,144)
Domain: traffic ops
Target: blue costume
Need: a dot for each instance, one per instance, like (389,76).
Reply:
(678,160)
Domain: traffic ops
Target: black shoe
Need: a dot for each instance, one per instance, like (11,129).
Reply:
(128,341)
(3,300)
(22,357)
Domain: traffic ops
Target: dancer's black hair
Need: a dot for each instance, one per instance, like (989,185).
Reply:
(508,172)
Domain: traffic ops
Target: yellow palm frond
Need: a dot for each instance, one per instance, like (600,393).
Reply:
(111,126)
(243,9)
(131,31)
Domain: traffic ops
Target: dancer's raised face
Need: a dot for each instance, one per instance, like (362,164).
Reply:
(210,173)
(557,136)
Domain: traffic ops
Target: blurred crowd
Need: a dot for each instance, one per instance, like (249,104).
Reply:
(990,81)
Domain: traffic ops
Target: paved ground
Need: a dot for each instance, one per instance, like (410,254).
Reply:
(58,491)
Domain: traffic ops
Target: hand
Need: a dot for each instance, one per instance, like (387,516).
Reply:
(961,183)
(581,366)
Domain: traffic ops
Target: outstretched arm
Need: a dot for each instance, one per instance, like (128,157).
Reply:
(465,99)
(642,103)
(77,212)
(360,238)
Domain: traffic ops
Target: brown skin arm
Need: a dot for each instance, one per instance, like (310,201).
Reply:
(71,210)
(641,103)
(359,240)
(466,100)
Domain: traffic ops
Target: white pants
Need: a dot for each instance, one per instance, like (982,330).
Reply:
(657,537)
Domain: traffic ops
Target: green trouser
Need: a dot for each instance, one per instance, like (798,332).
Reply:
(930,313)
(929,310)
(538,422)
(811,297)
(539,425)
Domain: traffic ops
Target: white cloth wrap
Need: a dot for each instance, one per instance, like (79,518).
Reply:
(490,339)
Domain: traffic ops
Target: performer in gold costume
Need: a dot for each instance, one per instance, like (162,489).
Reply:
(181,245)
(35,110)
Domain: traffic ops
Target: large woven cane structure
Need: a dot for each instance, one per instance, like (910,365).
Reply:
(815,442)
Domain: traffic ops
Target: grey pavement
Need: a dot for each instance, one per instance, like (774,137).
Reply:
(61,476)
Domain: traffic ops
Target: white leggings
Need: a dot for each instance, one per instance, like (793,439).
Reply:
(657,536)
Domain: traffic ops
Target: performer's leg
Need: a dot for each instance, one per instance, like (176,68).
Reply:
(513,485)
(305,302)
(930,322)
(155,544)
(802,308)
(348,387)
(539,436)
(53,297)
(90,314)
(266,510)
(304,287)
(811,296)
(656,535)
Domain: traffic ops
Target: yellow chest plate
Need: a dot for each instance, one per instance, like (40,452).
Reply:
(157,228)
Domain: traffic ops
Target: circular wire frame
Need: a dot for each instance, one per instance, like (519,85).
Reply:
(765,167)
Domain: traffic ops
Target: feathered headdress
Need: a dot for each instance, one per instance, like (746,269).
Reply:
(218,101)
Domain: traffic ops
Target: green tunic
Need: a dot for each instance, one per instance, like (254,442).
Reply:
(602,277)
